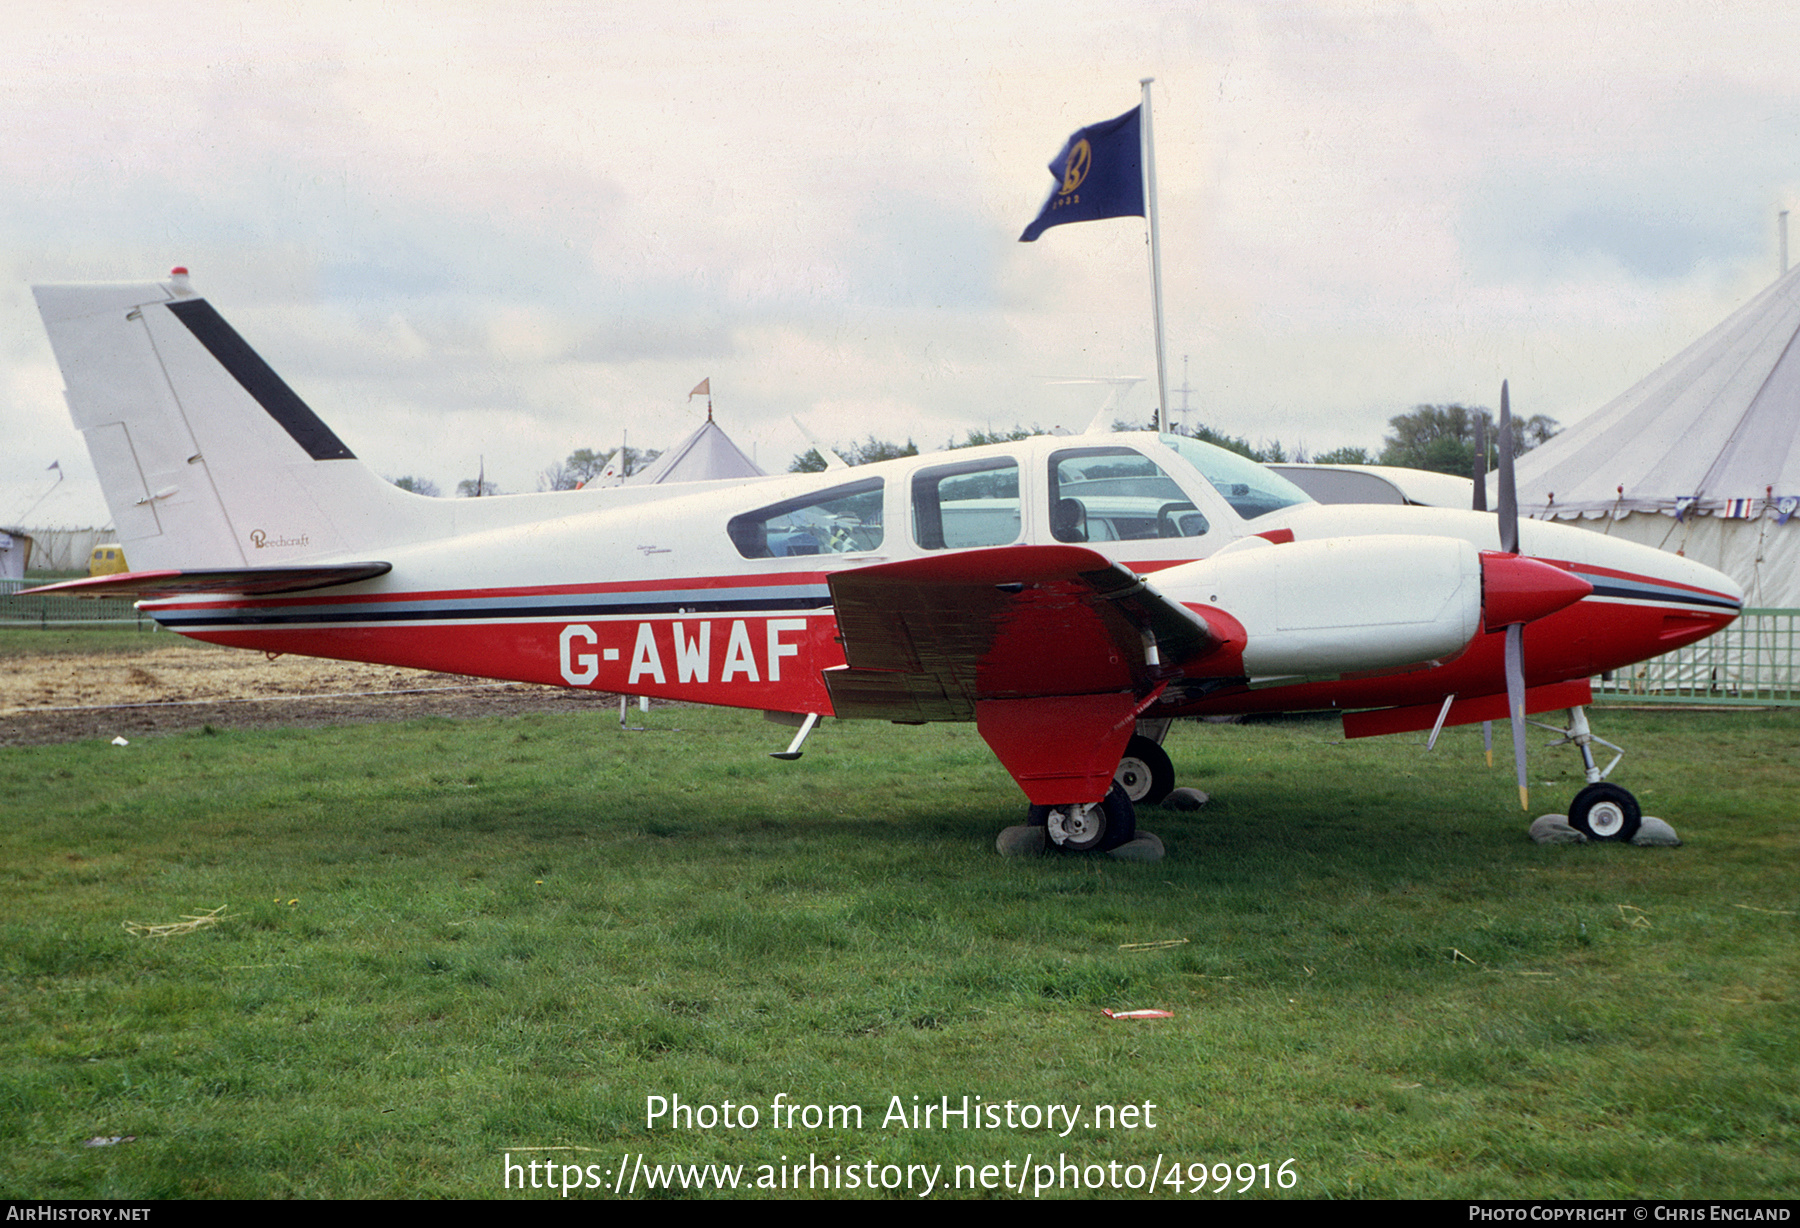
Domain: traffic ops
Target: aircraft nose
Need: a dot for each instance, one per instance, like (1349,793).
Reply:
(1732,589)
(1515,589)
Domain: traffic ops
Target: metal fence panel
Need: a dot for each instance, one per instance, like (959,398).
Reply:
(1756,661)
(59,610)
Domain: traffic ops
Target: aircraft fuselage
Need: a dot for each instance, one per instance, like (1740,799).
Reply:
(656,596)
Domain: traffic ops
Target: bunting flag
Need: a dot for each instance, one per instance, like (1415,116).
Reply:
(1787,505)
(1740,509)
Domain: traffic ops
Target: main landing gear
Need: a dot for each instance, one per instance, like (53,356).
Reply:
(1144,777)
(1145,772)
(1601,811)
(1088,827)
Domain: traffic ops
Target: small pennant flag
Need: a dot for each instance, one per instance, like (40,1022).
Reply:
(702,389)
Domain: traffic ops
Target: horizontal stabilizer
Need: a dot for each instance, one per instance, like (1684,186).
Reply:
(259,581)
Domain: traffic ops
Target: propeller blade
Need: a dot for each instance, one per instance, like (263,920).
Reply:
(1480,504)
(1515,703)
(1509,494)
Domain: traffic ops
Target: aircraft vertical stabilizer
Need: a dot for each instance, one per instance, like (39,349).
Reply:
(207,458)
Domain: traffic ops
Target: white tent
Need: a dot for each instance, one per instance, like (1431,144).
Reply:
(1700,458)
(15,554)
(708,455)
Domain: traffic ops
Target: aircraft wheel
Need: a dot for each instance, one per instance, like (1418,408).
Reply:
(1605,812)
(1145,772)
(1088,827)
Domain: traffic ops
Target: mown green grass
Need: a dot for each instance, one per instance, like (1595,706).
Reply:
(86,639)
(447,942)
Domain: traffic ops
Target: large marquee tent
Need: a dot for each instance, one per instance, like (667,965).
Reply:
(1699,458)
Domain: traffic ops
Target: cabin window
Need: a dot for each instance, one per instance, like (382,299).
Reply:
(1116,494)
(1251,489)
(842,520)
(971,503)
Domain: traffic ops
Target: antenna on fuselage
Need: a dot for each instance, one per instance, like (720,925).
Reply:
(1101,423)
(1184,390)
(832,459)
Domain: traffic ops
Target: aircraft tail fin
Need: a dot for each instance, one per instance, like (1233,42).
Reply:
(207,458)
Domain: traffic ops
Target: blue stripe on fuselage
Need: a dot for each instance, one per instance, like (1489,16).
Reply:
(500,609)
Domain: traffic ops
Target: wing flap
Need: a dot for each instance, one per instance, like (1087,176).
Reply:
(928,638)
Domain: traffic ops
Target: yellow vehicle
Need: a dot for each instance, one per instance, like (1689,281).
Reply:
(107,560)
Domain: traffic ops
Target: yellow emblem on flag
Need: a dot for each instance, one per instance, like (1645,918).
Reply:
(1076,168)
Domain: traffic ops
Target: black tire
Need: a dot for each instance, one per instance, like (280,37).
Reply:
(1145,772)
(1605,812)
(1092,828)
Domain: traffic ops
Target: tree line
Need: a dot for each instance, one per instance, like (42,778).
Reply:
(873,449)
(581,467)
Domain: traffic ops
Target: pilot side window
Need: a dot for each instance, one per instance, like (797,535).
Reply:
(1117,494)
(842,520)
(972,503)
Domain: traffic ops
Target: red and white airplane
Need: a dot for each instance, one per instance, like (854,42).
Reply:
(1069,594)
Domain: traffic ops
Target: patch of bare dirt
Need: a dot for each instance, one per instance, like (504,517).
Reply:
(175,686)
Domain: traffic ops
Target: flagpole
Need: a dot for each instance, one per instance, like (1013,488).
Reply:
(1156,295)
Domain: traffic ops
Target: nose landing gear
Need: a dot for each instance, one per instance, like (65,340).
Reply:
(1605,812)
(1600,811)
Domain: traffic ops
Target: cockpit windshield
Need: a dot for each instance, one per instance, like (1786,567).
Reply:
(1251,489)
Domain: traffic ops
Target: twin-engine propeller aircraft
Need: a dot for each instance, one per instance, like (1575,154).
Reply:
(1070,595)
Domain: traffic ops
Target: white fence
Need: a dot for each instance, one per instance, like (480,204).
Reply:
(1756,661)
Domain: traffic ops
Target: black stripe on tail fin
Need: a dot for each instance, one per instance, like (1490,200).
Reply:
(260,381)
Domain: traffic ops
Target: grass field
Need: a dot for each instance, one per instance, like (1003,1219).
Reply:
(446,944)
(84,640)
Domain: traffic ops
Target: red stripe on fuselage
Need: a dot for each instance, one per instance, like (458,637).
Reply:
(771,662)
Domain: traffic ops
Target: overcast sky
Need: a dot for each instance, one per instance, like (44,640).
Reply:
(510,231)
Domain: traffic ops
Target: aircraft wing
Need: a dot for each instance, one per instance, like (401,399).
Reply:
(926,639)
(259,581)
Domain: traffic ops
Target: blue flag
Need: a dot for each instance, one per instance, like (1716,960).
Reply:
(1099,173)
